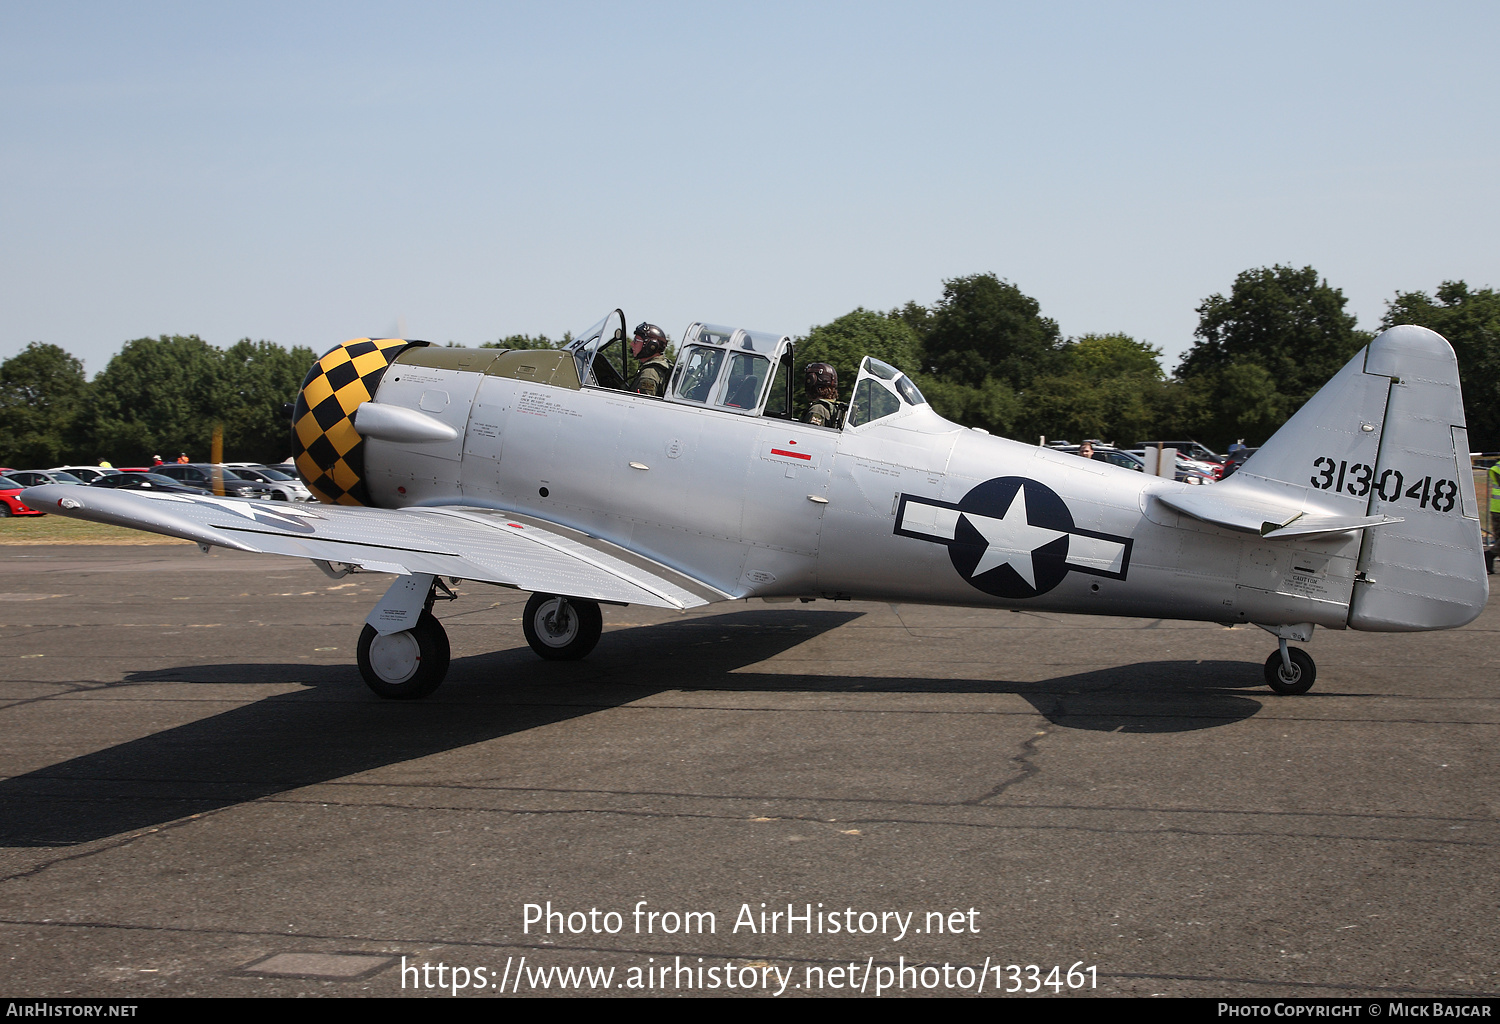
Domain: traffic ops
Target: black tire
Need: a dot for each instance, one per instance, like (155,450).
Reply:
(562,628)
(1304,672)
(405,665)
(5,512)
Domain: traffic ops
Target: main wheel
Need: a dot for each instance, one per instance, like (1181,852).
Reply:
(4,510)
(1301,679)
(408,664)
(562,628)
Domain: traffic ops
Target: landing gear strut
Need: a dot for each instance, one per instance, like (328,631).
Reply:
(1290,670)
(562,628)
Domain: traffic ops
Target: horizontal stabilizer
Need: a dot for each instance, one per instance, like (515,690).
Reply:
(1318,526)
(484,545)
(1272,519)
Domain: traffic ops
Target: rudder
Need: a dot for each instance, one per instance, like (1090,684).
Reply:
(1428,571)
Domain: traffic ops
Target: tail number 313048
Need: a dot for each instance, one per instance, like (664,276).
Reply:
(1358,479)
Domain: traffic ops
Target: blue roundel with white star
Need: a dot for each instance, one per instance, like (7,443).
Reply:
(1012,537)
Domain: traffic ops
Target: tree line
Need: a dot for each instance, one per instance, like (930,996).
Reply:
(157,396)
(983,354)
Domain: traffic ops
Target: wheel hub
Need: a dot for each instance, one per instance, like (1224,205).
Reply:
(559,623)
(396,656)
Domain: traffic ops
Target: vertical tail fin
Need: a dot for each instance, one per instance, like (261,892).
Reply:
(1387,436)
(1426,572)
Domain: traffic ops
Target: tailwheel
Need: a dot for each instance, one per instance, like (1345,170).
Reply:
(408,664)
(1298,678)
(562,628)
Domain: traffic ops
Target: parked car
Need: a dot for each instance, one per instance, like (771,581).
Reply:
(1193,452)
(148,482)
(88,474)
(217,479)
(1105,453)
(10,499)
(284,486)
(1235,460)
(36,477)
(1188,471)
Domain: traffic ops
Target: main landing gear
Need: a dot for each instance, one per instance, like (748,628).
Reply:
(408,664)
(562,628)
(404,664)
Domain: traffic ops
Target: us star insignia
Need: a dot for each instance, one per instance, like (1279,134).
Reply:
(1012,537)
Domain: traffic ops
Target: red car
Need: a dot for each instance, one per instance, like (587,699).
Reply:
(10,499)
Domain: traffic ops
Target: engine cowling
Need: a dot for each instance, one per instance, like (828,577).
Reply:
(328,451)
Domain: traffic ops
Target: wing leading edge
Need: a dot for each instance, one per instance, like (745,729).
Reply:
(485,545)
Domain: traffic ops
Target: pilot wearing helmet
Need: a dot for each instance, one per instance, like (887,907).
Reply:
(649,345)
(821,382)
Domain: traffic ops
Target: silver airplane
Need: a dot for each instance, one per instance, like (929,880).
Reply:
(538,470)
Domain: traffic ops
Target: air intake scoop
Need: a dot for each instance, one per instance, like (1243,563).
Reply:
(399,424)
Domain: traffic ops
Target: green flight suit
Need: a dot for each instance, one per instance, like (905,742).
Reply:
(652,377)
(825,412)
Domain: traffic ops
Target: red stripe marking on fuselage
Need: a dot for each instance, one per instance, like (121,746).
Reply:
(791,455)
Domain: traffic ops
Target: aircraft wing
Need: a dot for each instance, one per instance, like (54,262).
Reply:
(485,545)
(1254,513)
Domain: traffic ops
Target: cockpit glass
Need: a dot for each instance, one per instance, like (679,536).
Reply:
(711,334)
(908,390)
(697,371)
(591,349)
(742,385)
(759,341)
(582,338)
(902,384)
(871,402)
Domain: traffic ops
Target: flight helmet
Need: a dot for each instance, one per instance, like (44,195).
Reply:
(821,381)
(649,340)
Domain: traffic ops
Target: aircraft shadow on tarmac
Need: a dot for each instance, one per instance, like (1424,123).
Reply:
(337,728)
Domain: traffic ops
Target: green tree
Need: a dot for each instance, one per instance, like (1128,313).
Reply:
(986,328)
(258,378)
(1099,356)
(1265,349)
(1107,386)
(1470,320)
(842,343)
(42,391)
(158,396)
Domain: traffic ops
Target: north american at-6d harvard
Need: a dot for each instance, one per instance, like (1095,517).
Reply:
(538,470)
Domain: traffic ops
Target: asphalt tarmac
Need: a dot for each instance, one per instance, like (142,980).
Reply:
(198,796)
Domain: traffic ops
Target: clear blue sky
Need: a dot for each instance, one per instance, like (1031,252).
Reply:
(308,173)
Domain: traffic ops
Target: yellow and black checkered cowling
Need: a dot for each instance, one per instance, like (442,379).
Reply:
(328,451)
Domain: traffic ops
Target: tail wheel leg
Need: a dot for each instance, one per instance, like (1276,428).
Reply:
(408,664)
(562,628)
(1290,670)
